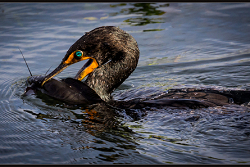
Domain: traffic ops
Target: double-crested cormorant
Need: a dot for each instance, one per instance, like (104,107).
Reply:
(113,55)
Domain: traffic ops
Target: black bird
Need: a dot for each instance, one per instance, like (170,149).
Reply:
(113,55)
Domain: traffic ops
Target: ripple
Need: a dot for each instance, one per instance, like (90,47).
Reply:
(192,142)
(182,45)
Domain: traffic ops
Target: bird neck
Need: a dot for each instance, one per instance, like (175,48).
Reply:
(105,79)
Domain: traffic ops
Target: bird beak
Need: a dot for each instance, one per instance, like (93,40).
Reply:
(59,69)
(82,73)
(86,69)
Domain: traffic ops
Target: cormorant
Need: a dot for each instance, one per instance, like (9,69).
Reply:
(113,55)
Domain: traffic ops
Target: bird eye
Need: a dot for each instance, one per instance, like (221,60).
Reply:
(78,54)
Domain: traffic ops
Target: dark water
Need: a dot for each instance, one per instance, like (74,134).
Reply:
(181,44)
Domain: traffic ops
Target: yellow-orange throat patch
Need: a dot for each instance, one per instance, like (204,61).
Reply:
(88,70)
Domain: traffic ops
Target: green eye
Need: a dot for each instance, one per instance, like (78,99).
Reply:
(78,54)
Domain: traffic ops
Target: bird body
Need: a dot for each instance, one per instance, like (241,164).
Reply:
(112,56)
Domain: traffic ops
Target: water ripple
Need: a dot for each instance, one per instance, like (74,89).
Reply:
(181,45)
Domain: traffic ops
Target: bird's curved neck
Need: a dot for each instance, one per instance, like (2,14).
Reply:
(105,79)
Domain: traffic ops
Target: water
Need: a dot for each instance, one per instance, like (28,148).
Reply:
(181,45)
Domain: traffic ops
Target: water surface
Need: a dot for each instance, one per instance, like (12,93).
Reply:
(181,45)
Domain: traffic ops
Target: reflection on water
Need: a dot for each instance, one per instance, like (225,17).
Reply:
(181,44)
(143,10)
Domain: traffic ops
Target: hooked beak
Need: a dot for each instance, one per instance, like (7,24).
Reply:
(56,71)
(82,73)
